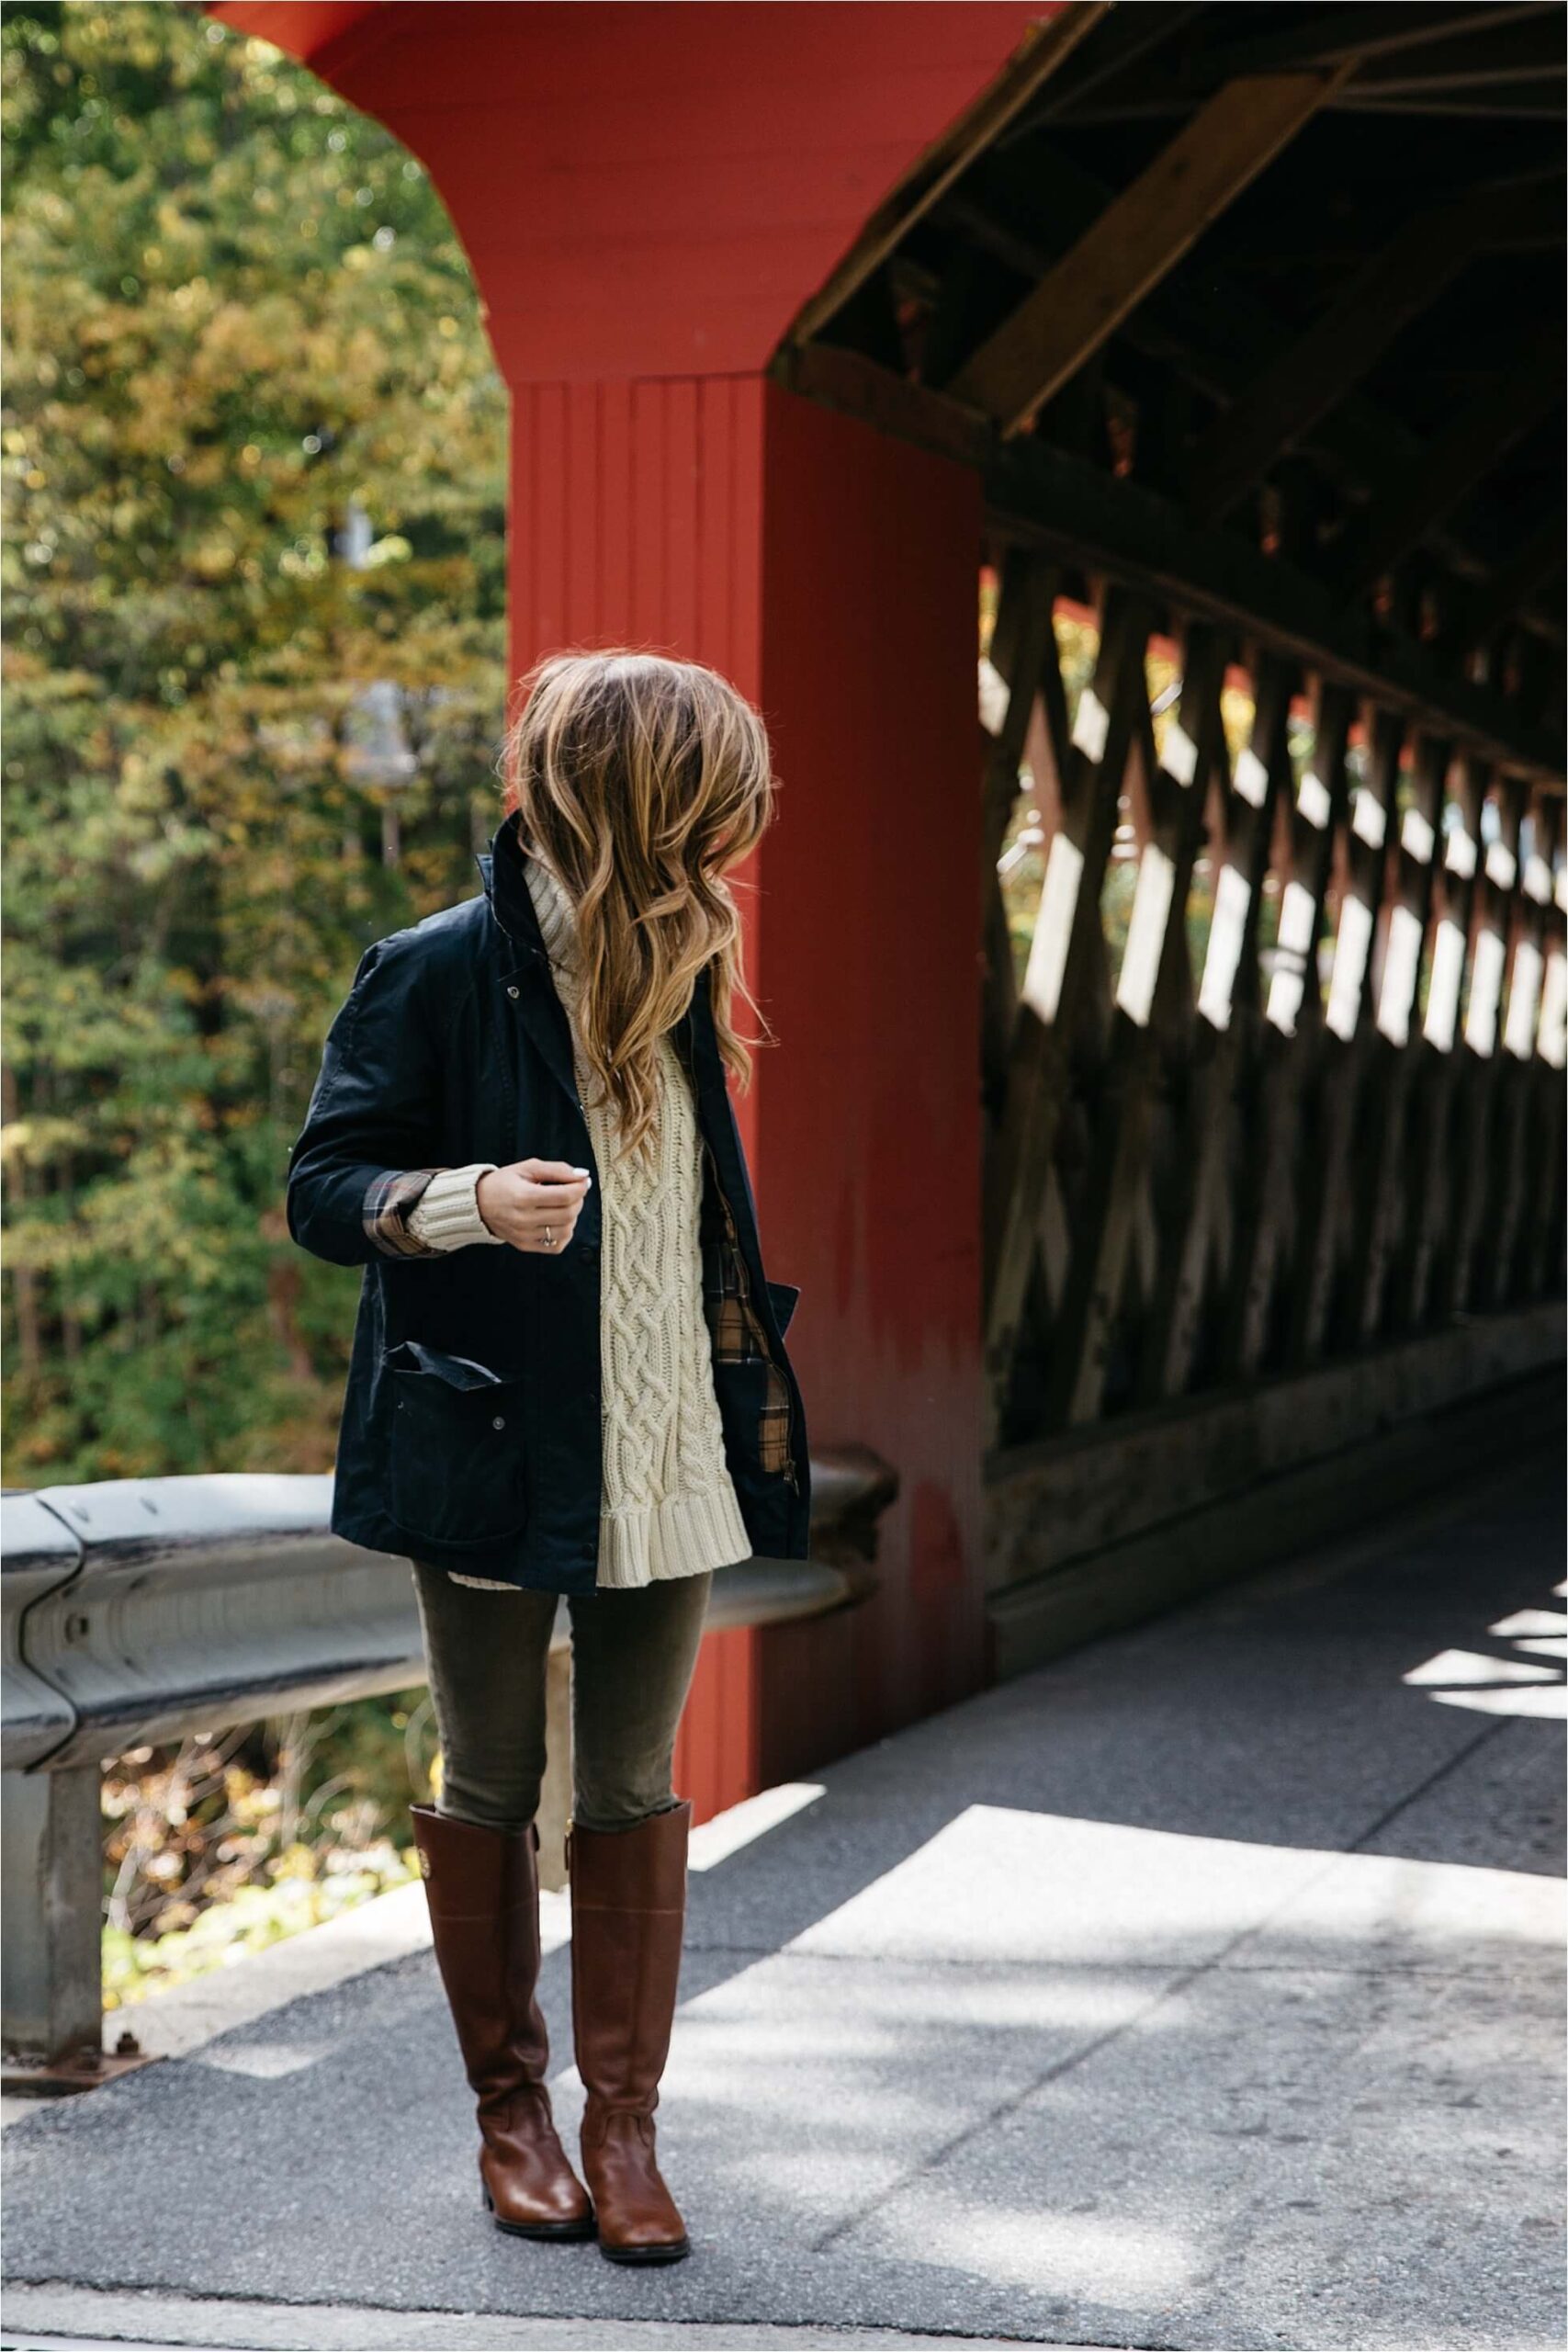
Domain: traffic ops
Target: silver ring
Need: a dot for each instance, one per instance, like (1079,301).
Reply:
(549,1238)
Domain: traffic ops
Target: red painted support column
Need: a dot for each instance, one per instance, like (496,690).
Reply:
(831,574)
(869,959)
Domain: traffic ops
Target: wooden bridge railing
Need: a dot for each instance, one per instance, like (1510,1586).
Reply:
(1307,1095)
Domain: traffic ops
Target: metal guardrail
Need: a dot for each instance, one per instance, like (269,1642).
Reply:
(138,1610)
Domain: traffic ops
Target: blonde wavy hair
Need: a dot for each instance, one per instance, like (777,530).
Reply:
(640,780)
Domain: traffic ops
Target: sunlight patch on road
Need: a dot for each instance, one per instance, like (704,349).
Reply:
(714,1841)
(1475,1665)
(1105,2261)
(1488,1685)
(1549,1706)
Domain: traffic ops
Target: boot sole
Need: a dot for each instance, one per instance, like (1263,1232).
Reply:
(639,2256)
(565,2232)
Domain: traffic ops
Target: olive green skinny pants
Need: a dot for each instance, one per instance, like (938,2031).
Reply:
(633,1655)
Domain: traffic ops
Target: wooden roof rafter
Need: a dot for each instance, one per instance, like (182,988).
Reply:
(1214,341)
(1405,50)
(1297,436)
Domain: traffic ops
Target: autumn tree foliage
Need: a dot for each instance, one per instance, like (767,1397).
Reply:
(254,452)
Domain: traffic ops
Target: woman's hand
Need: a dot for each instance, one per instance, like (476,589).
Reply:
(534,1203)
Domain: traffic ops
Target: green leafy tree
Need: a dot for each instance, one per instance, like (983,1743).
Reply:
(254,449)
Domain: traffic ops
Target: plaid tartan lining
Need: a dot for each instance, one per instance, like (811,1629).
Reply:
(385,1204)
(736,1328)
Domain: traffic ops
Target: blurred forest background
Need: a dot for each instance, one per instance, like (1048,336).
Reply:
(255,457)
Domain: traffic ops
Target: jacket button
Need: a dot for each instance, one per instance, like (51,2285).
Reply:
(499,1423)
(512,992)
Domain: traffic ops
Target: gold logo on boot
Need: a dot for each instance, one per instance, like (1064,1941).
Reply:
(423,1862)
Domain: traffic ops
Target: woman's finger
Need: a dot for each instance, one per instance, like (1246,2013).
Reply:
(563,1227)
(553,1196)
(558,1237)
(547,1212)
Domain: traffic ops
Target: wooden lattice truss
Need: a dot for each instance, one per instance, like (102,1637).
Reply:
(1251,319)
(1203,1167)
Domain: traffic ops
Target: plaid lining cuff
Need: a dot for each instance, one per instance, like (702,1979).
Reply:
(386,1206)
(737,1330)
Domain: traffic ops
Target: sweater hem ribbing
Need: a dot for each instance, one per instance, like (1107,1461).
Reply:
(685,1535)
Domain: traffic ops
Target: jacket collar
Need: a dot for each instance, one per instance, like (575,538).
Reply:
(525,975)
(503,868)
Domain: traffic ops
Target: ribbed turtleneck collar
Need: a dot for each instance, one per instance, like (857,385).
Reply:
(557,916)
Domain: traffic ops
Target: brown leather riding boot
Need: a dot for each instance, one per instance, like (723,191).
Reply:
(629,1915)
(483,1886)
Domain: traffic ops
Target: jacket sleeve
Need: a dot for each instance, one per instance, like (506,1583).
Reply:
(362,1160)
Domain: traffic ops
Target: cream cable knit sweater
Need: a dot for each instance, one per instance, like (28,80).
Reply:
(670,1506)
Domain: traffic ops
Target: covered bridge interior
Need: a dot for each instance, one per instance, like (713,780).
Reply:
(1170,1092)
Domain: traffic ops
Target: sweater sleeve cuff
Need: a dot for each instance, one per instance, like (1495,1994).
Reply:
(447,1213)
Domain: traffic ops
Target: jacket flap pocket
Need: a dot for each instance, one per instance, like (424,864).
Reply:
(783,1297)
(457,1372)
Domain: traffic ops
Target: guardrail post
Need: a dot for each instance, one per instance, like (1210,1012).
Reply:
(52,1864)
(554,1791)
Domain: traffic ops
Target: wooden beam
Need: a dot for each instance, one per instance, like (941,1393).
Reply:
(1461,457)
(1130,34)
(1129,1096)
(1541,1239)
(1413,53)
(1339,32)
(1277,1191)
(1240,857)
(1519,1066)
(1119,529)
(1522,104)
(1326,1212)
(1115,528)
(1218,340)
(1467,1274)
(1388,1191)
(1294,988)
(1434,1156)
(1537,562)
(1023,655)
(1221,1197)
(1136,242)
(1311,375)
(1527,51)
(1067,955)
(1045,47)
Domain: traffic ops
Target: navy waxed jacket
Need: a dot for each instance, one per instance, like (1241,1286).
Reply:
(470,1432)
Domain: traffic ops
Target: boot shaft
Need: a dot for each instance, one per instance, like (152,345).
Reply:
(628,1917)
(483,1888)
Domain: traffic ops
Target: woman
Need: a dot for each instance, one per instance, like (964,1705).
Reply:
(568,1373)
